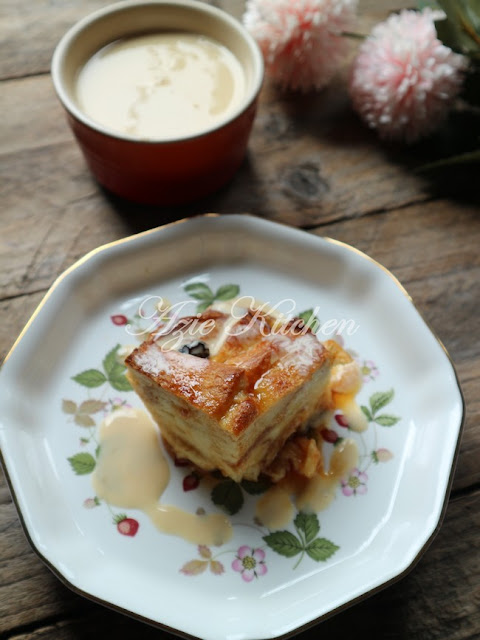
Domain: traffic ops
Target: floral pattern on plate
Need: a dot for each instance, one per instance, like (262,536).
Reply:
(302,539)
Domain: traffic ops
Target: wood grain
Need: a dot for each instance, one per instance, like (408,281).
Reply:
(306,167)
(29,31)
(431,249)
(29,592)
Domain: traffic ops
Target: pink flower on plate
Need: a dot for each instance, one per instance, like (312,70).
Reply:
(113,404)
(382,455)
(250,563)
(91,503)
(369,370)
(355,483)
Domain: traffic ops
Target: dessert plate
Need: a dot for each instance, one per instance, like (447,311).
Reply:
(64,375)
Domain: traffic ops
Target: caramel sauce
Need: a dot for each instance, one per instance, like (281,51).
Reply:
(275,508)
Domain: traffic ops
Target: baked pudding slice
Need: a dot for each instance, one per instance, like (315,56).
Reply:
(227,392)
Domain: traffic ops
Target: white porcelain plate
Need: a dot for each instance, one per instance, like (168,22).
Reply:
(58,382)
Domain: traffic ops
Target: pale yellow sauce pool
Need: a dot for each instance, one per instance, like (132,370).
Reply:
(132,473)
(276,507)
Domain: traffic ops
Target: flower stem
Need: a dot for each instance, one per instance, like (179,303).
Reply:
(250,526)
(352,34)
(300,559)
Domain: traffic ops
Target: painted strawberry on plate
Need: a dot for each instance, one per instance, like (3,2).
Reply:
(126,526)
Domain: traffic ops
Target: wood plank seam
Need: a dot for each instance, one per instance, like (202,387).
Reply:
(372,213)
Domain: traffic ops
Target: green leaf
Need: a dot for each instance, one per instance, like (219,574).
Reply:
(227,292)
(256,488)
(321,549)
(386,420)
(90,378)
(308,524)
(284,543)
(423,4)
(112,366)
(456,39)
(203,305)
(84,420)
(97,451)
(82,463)
(119,518)
(462,158)
(380,399)
(199,291)
(472,13)
(91,406)
(310,319)
(227,494)
(461,30)
(120,383)
(366,412)
(69,406)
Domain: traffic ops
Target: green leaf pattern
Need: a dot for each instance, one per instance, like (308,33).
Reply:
(284,543)
(82,463)
(227,494)
(206,297)
(307,525)
(90,378)
(304,542)
(113,373)
(378,401)
(310,320)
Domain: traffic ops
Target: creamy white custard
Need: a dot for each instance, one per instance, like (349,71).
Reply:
(132,473)
(161,86)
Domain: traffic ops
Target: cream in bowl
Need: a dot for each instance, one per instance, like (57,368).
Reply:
(161,96)
(162,85)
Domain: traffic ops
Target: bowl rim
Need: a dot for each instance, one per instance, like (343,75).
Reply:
(84,23)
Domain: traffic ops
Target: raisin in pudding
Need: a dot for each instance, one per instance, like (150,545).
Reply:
(237,394)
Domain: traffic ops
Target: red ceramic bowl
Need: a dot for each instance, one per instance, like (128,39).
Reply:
(155,170)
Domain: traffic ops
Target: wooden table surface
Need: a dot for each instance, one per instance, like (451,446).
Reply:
(312,165)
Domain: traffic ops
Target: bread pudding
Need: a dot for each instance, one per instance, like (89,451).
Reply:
(233,392)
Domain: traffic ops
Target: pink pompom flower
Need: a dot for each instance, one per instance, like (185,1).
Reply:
(301,40)
(404,79)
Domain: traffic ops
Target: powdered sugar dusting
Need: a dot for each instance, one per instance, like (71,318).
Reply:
(300,353)
(152,360)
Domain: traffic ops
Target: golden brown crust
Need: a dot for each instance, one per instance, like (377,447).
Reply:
(210,386)
(237,408)
(338,353)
